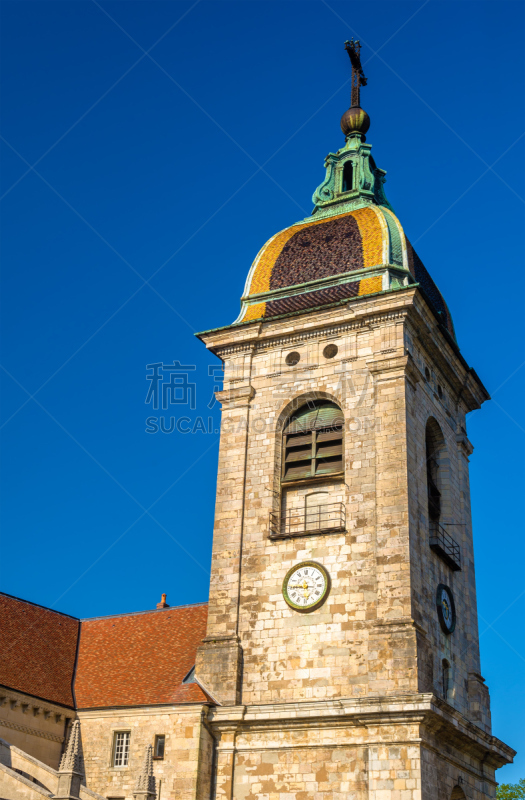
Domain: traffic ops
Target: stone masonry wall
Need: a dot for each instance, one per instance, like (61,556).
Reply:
(183,774)
(362,640)
(325,762)
(443,774)
(433,396)
(378,631)
(35,726)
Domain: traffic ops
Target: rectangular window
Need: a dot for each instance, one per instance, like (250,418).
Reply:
(160,742)
(121,749)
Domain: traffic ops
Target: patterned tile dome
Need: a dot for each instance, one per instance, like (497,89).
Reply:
(322,261)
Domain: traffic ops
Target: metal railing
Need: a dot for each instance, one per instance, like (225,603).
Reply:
(326,518)
(445,546)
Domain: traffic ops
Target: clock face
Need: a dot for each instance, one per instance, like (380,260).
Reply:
(306,586)
(446,608)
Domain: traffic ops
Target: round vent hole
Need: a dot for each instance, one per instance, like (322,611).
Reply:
(330,351)
(292,359)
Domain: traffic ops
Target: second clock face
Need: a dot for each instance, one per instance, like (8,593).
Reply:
(306,586)
(446,608)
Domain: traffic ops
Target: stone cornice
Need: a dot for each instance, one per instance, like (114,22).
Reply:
(33,706)
(315,323)
(312,332)
(370,311)
(141,711)
(394,367)
(464,445)
(424,710)
(236,397)
(445,354)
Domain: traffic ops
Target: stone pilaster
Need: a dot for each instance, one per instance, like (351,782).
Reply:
(394,375)
(225,765)
(219,658)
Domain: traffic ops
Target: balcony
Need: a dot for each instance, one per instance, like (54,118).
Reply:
(445,546)
(328,518)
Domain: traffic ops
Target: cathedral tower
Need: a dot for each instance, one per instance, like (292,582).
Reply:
(342,642)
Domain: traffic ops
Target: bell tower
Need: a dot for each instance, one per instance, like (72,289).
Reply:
(342,644)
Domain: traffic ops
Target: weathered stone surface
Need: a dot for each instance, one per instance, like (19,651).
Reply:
(375,647)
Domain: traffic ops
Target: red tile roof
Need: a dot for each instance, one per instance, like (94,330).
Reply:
(38,648)
(140,659)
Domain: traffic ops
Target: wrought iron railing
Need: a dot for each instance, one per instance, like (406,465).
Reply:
(326,518)
(445,546)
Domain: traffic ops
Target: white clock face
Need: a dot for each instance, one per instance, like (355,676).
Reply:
(306,586)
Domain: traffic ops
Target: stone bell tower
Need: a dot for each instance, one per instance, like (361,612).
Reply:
(342,642)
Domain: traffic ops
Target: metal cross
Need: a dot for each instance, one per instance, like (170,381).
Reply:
(358,76)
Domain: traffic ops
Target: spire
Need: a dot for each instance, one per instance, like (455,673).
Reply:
(70,772)
(352,178)
(71,759)
(145,786)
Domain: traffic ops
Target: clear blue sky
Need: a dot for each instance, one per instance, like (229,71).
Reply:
(176,166)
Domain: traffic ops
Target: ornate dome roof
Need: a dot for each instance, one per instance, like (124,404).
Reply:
(323,261)
(352,245)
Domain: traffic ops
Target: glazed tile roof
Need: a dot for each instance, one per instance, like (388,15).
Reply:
(125,660)
(140,659)
(289,270)
(38,648)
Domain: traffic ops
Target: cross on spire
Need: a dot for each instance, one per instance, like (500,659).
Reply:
(353,48)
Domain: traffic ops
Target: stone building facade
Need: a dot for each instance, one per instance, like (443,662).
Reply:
(338,655)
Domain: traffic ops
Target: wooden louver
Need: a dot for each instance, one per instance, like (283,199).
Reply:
(313,442)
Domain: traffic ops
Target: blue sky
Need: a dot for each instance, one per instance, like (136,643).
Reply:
(148,151)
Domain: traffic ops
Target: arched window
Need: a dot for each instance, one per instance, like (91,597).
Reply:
(439,497)
(434,443)
(348,177)
(313,442)
(446,677)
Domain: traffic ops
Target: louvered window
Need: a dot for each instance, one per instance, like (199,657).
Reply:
(313,442)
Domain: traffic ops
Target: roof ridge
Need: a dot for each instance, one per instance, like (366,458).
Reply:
(38,605)
(102,616)
(147,611)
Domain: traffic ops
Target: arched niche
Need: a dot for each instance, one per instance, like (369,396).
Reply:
(310,467)
(437,474)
